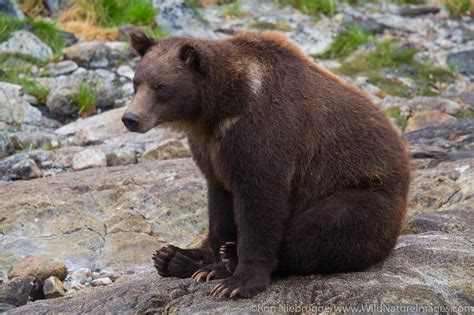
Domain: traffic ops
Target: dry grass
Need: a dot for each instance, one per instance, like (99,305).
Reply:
(89,31)
(33,8)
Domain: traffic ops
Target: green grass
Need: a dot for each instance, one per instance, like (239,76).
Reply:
(457,7)
(16,69)
(313,7)
(45,30)
(389,56)
(395,113)
(112,13)
(156,32)
(86,99)
(347,42)
(232,10)
(278,26)
(465,113)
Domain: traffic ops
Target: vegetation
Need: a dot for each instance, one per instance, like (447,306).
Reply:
(347,42)
(86,98)
(388,56)
(457,7)
(232,9)
(47,31)
(395,114)
(264,25)
(465,113)
(327,7)
(16,69)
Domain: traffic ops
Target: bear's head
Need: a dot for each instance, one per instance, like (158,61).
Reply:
(166,83)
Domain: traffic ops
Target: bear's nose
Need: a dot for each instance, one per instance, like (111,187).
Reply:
(131,121)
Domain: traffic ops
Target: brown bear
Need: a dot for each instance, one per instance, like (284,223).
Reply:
(304,174)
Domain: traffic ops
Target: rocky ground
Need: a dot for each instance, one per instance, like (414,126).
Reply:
(84,203)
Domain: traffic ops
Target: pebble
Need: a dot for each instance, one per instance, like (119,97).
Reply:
(53,288)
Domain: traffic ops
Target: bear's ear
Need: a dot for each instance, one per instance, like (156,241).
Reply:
(190,55)
(140,41)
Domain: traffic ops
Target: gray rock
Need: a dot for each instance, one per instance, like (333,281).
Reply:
(88,54)
(178,18)
(33,138)
(53,288)
(82,275)
(26,169)
(26,43)
(61,100)
(89,158)
(463,62)
(416,10)
(19,291)
(168,149)
(60,68)
(85,137)
(101,282)
(9,7)
(126,71)
(55,6)
(432,268)
(6,146)
(121,156)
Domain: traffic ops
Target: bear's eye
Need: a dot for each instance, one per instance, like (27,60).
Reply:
(161,88)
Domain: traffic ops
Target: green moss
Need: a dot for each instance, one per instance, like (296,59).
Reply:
(86,98)
(327,7)
(389,56)
(395,113)
(264,25)
(347,42)
(457,7)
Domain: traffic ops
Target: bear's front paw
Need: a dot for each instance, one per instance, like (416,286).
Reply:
(245,285)
(171,261)
(211,272)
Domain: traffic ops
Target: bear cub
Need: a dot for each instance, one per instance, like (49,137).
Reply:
(304,174)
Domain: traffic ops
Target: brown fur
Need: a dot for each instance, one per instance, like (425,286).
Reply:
(305,175)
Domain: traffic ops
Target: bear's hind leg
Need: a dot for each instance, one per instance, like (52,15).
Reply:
(172,261)
(348,231)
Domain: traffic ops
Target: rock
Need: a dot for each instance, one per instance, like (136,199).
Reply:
(121,156)
(53,288)
(423,151)
(88,54)
(433,268)
(457,138)
(55,6)
(19,291)
(24,42)
(85,137)
(26,169)
(68,215)
(61,100)
(126,71)
(89,158)
(40,265)
(422,120)
(32,137)
(463,62)
(9,7)
(449,221)
(61,68)
(6,146)
(82,275)
(422,103)
(169,149)
(11,90)
(178,18)
(101,282)
(416,10)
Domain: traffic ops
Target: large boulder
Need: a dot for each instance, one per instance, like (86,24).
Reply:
(9,7)
(24,42)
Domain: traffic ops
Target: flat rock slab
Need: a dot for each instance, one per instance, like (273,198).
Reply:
(428,270)
(104,218)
